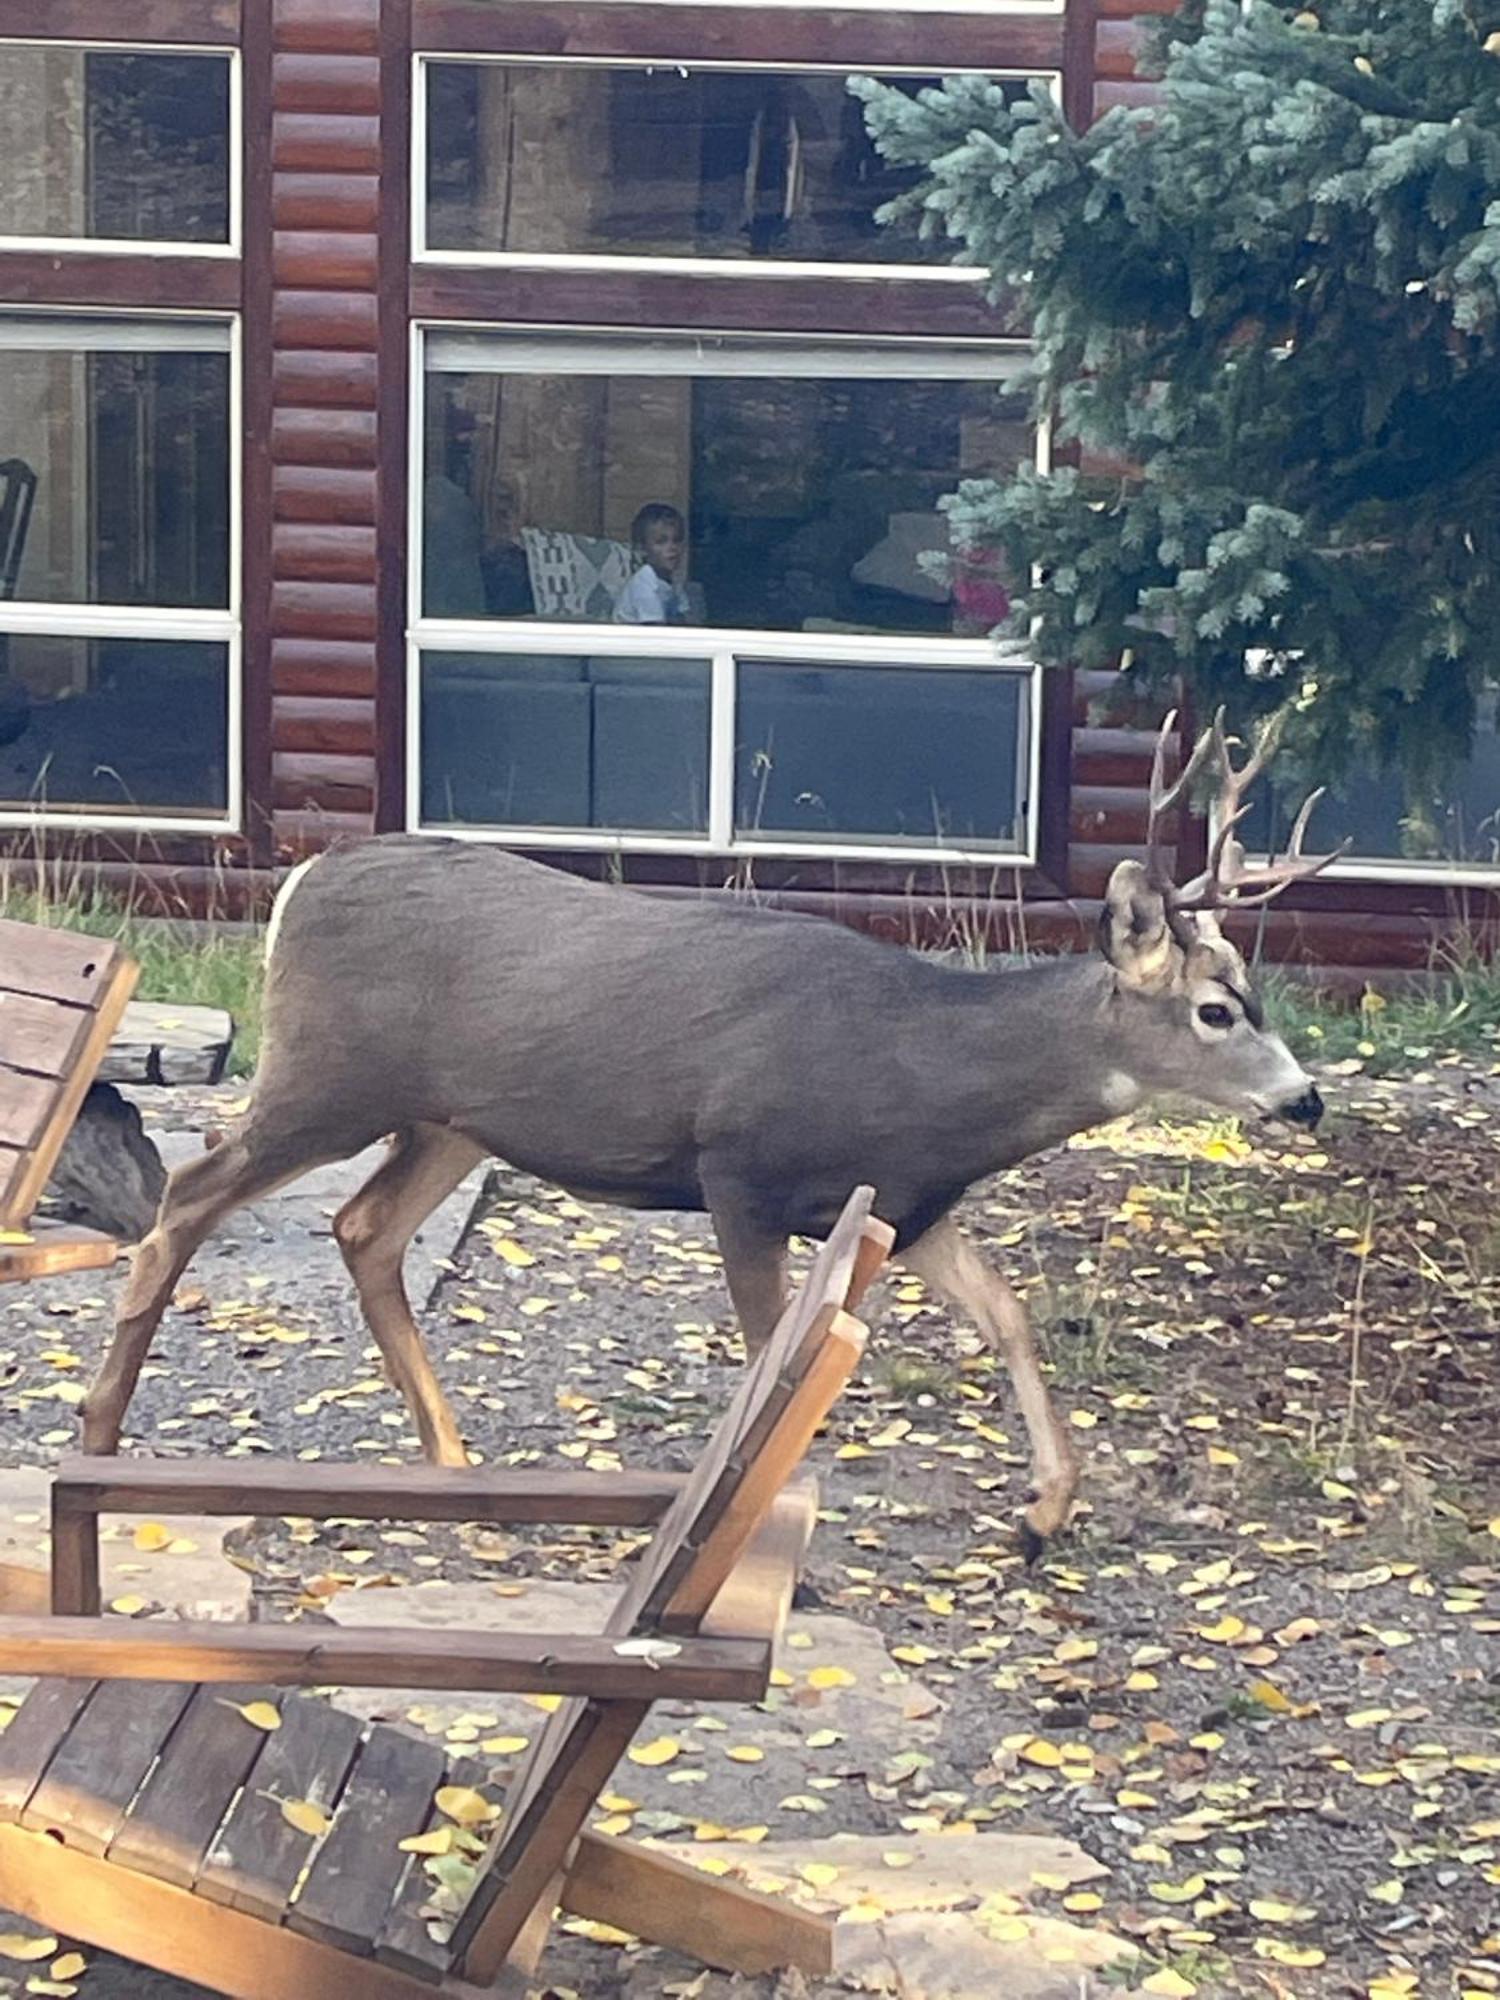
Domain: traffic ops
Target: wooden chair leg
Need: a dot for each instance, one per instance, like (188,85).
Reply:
(669,1902)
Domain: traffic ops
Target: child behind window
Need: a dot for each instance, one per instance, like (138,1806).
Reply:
(655,594)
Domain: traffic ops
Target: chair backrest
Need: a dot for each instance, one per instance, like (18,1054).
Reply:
(754,1449)
(574,576)
(61,998)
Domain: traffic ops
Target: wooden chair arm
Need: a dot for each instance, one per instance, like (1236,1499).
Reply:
(701,1669)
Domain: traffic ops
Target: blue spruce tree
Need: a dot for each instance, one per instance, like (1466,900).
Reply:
(1270,302)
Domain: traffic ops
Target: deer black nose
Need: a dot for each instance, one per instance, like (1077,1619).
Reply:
(1304,1110)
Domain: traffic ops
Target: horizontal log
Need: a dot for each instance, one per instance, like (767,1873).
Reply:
(211,21)
(160,1042)
(325,260)
(1118,757)
(323,667)
(1117,45)
(322,552)
(396,1656)
(304,143)
(497,1495)
(1108,95)
(318,722)
(319,379)
(349,27)
(325,201)
(324,610)
(347,321)
(321,493)
(324,771)
(1113,814)
(301,831)
(337,438)
(325,83)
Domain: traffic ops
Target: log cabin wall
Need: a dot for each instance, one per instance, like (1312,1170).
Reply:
(326,295)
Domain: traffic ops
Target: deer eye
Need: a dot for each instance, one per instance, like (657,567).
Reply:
(1212,1015)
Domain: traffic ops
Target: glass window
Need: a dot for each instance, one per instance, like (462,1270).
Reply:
(117,628)
(661,160)
(120,430)
(1457,825)
(720,482)
(114,145)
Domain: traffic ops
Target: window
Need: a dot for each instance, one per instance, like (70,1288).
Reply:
(118,569)
(1452,832)
(581,162)
(107,147)
(698,590)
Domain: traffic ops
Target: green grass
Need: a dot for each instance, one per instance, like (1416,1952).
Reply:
(1454,1010)
(185,964)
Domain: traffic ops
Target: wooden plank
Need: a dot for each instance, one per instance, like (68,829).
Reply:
(669,1902)
(40,1034)
(406,1941)
(25,1104)
(258,1855)
(74,1582)
(367,1492)
(55,964)
(398,1656)
(47,1248)
(157,1042)
(183,1803)
(99,1769)
(757,1598)
(40,1725)
(357,1870)
(182,1935)
(26,1188)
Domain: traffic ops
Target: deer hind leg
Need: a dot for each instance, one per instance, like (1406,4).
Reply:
(755,1271)
(949,1263)
(423,1167)
(199,1194)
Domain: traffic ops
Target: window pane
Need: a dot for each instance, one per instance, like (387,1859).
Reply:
(662,161)
(116,467)
(547,740)
(115,725)
(796,502)
(103,143)
(1383,822)
(898,754)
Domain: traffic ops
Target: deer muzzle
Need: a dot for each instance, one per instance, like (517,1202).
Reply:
(1305,1110)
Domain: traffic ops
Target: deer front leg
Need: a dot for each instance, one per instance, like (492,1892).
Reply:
(949,1263)
(755,1271)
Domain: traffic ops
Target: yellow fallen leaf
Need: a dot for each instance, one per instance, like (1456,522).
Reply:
(1006,1929)
(819,1874)
(1040,1751)
(1168,1985)
(831,1677)
(1082,1901)
(504,1746)
(305,1816)
(28,1949)
(12,1236)
(127,1606)
(1389,1892)
(613,1823)
(1270,1912)
(464,1805)
(745,1753)
(438,1841)
(896,1857)
(1289,1954)
(1270,1696)
(1186,1891)
(513,1253)
(1227,1628)
(259,1714)
(70,1965)
(661,1750)
(150,1537)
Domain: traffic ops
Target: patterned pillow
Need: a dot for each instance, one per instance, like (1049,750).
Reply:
(574,576)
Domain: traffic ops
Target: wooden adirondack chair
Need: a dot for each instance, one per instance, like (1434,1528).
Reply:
(61,999)
(147,1819)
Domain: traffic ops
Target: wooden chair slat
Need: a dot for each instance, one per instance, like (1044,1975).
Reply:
(103,1762)
(257,1855)
(25,1103)
(407,1942)
(41,1035)
(28,1746)
(48,1248)
(53,964)
(182,1804)
(359,1866)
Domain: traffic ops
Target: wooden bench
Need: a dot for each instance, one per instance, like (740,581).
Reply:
(144,1813)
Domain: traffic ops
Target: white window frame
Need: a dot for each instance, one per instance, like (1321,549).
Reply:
(75,620)
(750,268)
(722,648)
(136,246)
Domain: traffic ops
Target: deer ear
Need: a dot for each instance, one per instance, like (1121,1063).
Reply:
(1134,934)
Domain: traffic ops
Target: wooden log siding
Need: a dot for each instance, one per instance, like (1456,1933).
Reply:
(327,396)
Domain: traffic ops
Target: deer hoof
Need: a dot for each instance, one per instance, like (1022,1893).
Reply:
(1032,1543)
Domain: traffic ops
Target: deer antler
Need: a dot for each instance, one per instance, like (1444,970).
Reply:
(1227,881)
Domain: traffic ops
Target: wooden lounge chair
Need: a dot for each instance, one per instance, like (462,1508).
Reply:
(148,1819)
(61,999)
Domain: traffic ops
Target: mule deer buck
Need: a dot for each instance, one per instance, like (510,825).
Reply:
(753,1063)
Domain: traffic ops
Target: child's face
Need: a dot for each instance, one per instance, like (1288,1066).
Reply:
(663,545)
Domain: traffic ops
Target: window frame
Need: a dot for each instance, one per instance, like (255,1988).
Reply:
(720,647)
(132,246)
(752,269)
(77,620)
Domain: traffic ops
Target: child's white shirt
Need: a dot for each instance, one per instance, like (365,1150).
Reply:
(649,599)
